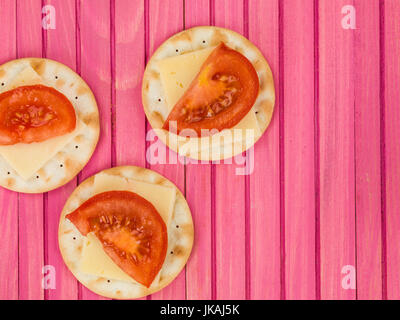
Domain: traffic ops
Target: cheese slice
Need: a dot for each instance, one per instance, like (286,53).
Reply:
(245,132)
(176,75)
(178,72)
(28,158)
(94,260)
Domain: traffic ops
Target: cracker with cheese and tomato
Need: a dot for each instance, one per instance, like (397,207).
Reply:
(208,93)
(126,232)
(49,124)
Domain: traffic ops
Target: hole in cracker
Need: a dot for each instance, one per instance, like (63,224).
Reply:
(204,41)
(76,98)
(76,147)
(172,252)
(8,172)
(2,83)
(74,238)
(159,99)
(61,165)
(177,50)
(177,226)
(37,177)
(56,77)
(108,280)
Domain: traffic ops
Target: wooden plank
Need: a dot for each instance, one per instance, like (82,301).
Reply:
(95,53)
(31,230)
(391,129)
(264,181)
(130,120)
(8,199)
(230,197)
(336,143)
(129,66)
(60,46)
(197,13)
(299,171)
(198,177)
(367,143)
(166,18)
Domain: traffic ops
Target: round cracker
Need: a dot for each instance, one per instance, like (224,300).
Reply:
(67,163)
(153,97)
(180,238)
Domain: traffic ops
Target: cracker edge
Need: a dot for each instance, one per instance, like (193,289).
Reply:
(118,172)
(96,125)
(268,108)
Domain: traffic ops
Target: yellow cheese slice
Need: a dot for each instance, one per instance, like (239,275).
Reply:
(26,159)
(94,260)
(178,72)
(176,75)
(247,130)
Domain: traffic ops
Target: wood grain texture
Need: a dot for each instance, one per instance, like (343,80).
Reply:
(197,13)
(31,221)
(230,197)
(95,26)
(129,67)
(367,149)
(8,199)
(200,265)
(264,181)
(130,121)
(324,191)
(299,148)
(60,46)
(391,120)
(165,19)
(336,143)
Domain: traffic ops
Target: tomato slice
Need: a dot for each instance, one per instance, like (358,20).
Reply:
(222,93)
(132,232)
(34,114)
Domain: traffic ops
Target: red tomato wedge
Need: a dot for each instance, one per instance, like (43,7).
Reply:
(221,95)
(34,114)
(132,232)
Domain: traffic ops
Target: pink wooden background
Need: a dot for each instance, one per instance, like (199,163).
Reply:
(325,190)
